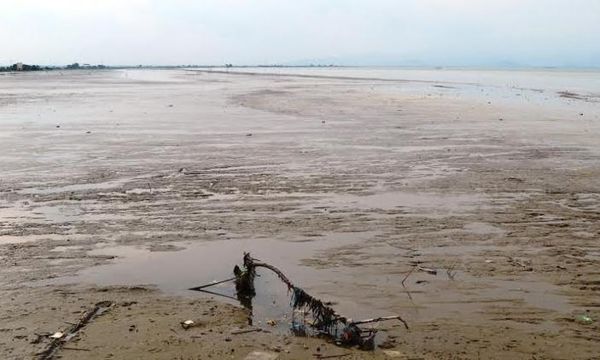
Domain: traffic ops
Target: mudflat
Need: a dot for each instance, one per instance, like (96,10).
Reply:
(132,186)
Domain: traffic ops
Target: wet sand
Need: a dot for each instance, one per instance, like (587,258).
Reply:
(132,186)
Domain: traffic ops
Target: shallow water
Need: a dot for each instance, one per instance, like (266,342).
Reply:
(544,79)
(546,87)
(194,264)
(199,263)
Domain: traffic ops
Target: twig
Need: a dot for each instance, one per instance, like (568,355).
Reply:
(219,294)
(407,275)
(245,331)
(88,316)
(428,270)
(450,271)
(198,288)
(75,349)
(385,318)
(319,356)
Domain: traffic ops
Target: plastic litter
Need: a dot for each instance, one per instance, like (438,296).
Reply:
(187,324)
(584,319)
(57,335)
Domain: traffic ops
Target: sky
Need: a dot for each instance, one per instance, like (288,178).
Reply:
(344,32)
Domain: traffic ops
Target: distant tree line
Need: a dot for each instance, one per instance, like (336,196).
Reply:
(76,66)
(24,67)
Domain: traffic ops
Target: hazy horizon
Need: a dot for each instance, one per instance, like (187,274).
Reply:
(409,33)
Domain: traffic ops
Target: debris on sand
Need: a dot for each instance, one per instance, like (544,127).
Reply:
(60,338)
(584,319)
(310,316)
(187,324)
(322,319)
(571,95)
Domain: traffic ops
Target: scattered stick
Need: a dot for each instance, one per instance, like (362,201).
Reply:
(198,288)
(75,349)
(57,344)
(450,271)
(245,331)
(385,318)
(218,294)
(407,275)
(319,356)
(427,270)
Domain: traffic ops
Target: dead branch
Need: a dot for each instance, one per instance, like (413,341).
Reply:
(319,356)
(75,349)
(427,270)
(245,331)
(325,320)
(88,316)
(450,271)
(386,318)
(198,288)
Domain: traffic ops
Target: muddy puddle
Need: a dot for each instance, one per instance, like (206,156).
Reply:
(193,264)
(357,290)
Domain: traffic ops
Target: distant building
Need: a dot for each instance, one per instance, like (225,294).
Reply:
(19,66)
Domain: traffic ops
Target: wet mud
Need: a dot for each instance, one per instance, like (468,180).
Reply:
(134,186)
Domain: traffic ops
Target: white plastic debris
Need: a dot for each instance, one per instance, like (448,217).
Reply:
(187,324)
(57,335)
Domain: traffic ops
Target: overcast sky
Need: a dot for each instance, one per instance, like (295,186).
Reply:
(368,32)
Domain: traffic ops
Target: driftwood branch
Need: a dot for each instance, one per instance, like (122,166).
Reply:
(88,316)
(325,320)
